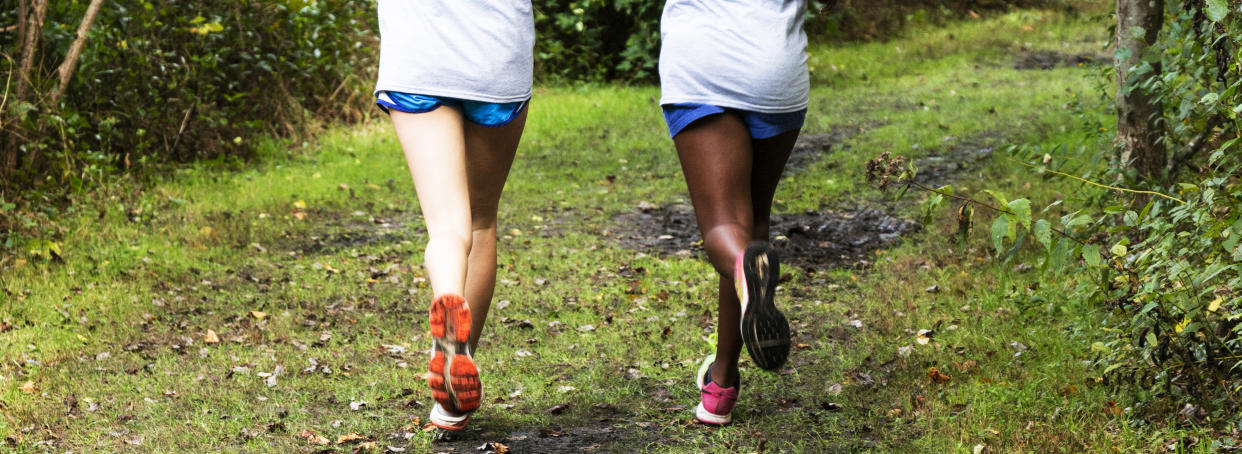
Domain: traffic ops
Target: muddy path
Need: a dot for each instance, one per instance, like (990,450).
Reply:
(810,240)
(600,435)
(827,237)
(1048,59)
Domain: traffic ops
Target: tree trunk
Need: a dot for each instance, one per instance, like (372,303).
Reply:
(1138,116)
(33,25)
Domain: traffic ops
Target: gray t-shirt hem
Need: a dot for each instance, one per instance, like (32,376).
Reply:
(441,92)
(734,104)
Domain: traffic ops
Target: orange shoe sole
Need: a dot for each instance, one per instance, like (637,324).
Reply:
(453,378)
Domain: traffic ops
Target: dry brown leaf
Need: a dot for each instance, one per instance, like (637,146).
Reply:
(937,376)
(30,388)
(967,365)
(350,437)
(314,438)
(211,337)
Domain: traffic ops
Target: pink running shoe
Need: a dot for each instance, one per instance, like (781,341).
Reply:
(716,407)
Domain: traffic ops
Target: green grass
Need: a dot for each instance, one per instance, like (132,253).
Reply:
(114,338)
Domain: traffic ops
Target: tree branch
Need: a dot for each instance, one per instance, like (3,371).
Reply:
(1197,145)
(990,207)
(71,60)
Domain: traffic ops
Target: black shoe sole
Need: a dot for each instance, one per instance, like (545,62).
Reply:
(765,331)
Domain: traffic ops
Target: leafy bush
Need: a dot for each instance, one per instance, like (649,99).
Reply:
(1175,292)
(596,40)
(1162,258)
(189,80)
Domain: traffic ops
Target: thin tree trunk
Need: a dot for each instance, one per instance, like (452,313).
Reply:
(1138,127)
(71,60)
(33,24)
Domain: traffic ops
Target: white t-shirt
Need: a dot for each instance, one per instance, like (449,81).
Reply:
(741,54)
(478,50)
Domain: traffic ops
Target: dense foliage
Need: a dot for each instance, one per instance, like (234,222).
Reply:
(1160,255)
(1175,291)
(186,80)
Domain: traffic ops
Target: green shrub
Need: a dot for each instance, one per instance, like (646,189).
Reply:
(597,40)
(1160,258)
(1176,293)
(190,80)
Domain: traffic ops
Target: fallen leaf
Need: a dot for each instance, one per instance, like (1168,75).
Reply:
(967,365)
(301,205)
(924,336)
(356,405)
(933,289)
(349,437)
(257,315)
(211,337)
(938,377)
(981,448)
(30,388)
(314,438)
(1215,304)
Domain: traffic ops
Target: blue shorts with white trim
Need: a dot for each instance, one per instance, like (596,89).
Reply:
(761,125)
(492,115)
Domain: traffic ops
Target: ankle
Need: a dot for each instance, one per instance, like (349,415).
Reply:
(725,375)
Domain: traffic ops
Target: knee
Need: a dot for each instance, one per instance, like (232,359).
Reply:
(728,232)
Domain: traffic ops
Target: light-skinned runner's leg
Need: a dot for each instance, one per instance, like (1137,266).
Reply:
(489,156)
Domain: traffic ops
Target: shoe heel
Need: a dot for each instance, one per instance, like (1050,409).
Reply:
(435,380)
(465,381)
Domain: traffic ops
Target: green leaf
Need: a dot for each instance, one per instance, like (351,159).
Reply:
(1217,10)
(1119,250)
(1060,254)
(1091,253)
(1043,233)
(1022,210)
(1000,227)
(997,196)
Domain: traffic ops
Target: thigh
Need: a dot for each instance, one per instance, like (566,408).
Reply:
(434,147)
(489,156)
(770,156)
(715,154)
